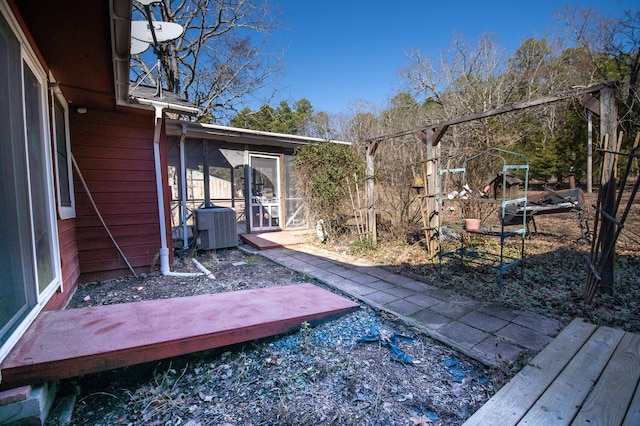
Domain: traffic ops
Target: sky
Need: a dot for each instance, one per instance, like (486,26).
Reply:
(339,51)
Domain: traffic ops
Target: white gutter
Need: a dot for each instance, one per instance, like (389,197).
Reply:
(164,249)
(204,130)
(179,109)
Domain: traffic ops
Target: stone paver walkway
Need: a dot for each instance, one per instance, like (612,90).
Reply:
(489,334)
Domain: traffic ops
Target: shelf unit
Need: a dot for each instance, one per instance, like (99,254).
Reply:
(504,197)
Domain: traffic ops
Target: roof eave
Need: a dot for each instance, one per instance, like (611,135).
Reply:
(120,44)
(235,134)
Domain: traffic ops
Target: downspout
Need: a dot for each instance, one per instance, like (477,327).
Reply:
(164,249)
(183,185)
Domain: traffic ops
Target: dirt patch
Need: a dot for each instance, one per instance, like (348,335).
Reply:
(319,375)
(232,270)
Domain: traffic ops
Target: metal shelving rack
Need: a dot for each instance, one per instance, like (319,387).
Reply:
(512,207)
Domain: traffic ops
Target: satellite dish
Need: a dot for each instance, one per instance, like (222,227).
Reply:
(165,31)
(138,46)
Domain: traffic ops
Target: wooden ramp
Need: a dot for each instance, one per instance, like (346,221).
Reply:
(587,375)
(72,342)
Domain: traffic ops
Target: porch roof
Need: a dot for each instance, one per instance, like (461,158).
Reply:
(237,135)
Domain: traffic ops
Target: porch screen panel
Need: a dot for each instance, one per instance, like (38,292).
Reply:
(194,165)
(17,289)
(220,176)
(295,211)
(234,159)
(36,145)
(265,177)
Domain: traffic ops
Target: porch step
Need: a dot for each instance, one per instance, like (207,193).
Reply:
(270,240)
(73,342)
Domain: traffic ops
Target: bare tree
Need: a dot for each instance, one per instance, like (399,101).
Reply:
(469,74)
(465,79)
(321,125)
(221,60)
(613,47)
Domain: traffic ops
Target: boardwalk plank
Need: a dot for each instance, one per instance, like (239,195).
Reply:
(561,401)
(608,401)
(633,413)
(511,403)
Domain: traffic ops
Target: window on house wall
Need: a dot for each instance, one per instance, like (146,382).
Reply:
(60,114)
(31,267)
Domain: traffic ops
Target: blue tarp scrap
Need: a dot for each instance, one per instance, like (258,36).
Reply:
(397,354)
(421,412)
(459,371)
(371,335)
(456,370)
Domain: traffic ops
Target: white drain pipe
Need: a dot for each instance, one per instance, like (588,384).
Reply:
(203,269)
(164,249)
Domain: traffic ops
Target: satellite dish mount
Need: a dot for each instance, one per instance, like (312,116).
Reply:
(150,32)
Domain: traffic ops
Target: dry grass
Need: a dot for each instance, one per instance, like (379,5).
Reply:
(554,275)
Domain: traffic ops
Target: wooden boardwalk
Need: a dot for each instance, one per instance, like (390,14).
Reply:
(73,342)
(587,375)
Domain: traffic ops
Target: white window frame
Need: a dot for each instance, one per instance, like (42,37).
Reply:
(64,212)
(29,59)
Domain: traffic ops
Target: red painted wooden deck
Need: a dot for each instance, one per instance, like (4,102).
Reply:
(72,342)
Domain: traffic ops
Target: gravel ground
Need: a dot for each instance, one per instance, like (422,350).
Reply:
(364,368)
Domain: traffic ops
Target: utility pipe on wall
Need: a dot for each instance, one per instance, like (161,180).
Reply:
(164,250)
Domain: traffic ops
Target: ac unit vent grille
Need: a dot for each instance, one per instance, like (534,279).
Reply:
(217,228)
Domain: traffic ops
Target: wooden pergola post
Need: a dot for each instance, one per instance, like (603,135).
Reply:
(589,152)
(592,105)
(431,138)
(433,178)
(371,211)
(607,193)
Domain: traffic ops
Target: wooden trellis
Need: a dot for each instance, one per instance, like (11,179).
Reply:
(608,226)
(431,135)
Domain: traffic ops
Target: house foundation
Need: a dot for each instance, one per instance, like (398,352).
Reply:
(27,405)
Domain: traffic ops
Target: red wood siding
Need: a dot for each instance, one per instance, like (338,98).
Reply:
(115,154)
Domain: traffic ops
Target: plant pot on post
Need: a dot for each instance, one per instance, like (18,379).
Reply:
(473,214)
(472,225)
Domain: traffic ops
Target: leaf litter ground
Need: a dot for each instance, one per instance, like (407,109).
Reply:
(337,373)
(324,375)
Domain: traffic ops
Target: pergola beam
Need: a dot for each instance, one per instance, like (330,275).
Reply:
(431,135)
(490,113)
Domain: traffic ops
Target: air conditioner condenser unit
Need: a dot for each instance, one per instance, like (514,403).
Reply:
(216,228)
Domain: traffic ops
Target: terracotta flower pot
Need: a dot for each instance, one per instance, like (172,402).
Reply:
(472,225)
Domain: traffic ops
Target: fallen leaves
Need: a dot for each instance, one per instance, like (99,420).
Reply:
(320,376)
(421,420)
